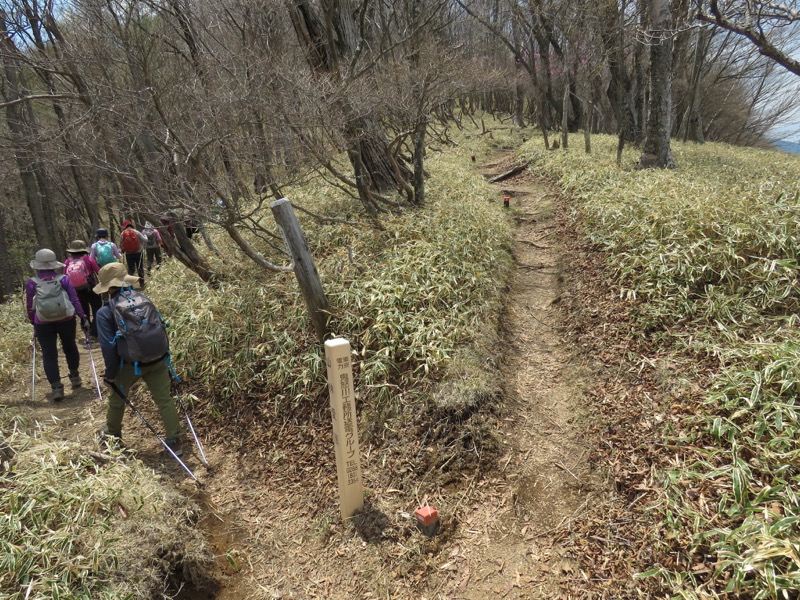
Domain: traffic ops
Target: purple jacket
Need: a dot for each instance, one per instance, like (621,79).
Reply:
(30,295)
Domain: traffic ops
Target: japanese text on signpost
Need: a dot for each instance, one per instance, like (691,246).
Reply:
(345,431)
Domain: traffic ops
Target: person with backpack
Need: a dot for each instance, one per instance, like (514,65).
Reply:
(135,346)
(104,251)
(52,304)
(82,272)
(132,243)
(152,246)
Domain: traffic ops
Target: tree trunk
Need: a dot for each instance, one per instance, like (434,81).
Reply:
(181,247)
(304,267)
(694,119)
(619,86)
(419,161)
(6,274)
(545,79)
(367,139)
(565,118)
(588,109)
(328,41)
(641,70)
(657,151)
(22,126)
(519,72)
(519,102)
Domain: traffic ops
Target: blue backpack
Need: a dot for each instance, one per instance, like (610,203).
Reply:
(105,253)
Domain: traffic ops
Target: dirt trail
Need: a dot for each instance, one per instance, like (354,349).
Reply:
(270,535)
(509,547)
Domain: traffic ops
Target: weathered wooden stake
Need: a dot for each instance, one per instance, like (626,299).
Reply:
(304,268)
(345,426)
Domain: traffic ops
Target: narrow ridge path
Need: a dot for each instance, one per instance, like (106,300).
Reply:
(509,547)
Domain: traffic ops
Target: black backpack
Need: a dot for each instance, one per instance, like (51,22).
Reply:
(141,332)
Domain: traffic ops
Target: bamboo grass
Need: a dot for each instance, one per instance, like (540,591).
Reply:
(707,255)
(70,528)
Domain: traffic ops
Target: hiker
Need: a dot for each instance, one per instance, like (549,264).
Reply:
(104,251)
(82,272)
(166,222)
(152,246)
(134,343)
(132,242)
(52,304)
(191,223)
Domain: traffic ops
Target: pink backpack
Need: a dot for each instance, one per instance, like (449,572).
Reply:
(78,274)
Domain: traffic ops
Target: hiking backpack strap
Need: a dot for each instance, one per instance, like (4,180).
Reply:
(172,372)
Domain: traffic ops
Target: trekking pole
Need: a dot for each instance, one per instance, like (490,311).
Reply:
(194,435)
(33,365)
(155,433)
(94,369)
(177,381)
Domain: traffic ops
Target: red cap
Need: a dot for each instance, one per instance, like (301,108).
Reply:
(126,223)
(426,515)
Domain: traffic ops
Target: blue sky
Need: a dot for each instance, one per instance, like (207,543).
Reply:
(790,133)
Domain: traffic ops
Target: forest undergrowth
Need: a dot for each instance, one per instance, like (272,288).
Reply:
(419,301)
(685,292)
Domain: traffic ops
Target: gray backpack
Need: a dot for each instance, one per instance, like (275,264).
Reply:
(52,301)
(150,234)
(141,333)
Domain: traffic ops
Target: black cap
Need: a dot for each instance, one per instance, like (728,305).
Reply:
(102,232)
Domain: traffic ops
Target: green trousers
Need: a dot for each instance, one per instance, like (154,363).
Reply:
(156,377)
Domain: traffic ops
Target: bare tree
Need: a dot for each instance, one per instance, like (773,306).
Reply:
(731,93)
(6,275)
(772,27)
(693,120)
(657,151)
(336,36)
(23,126)
(36,34)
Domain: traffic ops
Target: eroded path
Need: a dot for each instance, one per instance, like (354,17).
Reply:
(510,546)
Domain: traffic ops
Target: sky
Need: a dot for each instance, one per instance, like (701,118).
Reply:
(790,133)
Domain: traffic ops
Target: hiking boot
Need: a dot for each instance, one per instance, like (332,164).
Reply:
(57,395)
(174,445)
(75,380)
(110,440)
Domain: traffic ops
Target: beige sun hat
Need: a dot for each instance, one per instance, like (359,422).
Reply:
(45,260)
(114,275)
(77,246)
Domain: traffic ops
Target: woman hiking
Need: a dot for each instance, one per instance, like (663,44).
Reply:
(82,272)
(52,304)
(135,346)
(104,251)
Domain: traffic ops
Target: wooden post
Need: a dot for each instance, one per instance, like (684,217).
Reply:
(304,268)
(345,426)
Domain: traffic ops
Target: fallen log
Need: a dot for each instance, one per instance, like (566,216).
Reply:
(509,174)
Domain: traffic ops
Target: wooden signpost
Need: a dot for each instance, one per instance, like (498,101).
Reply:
(345,431)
